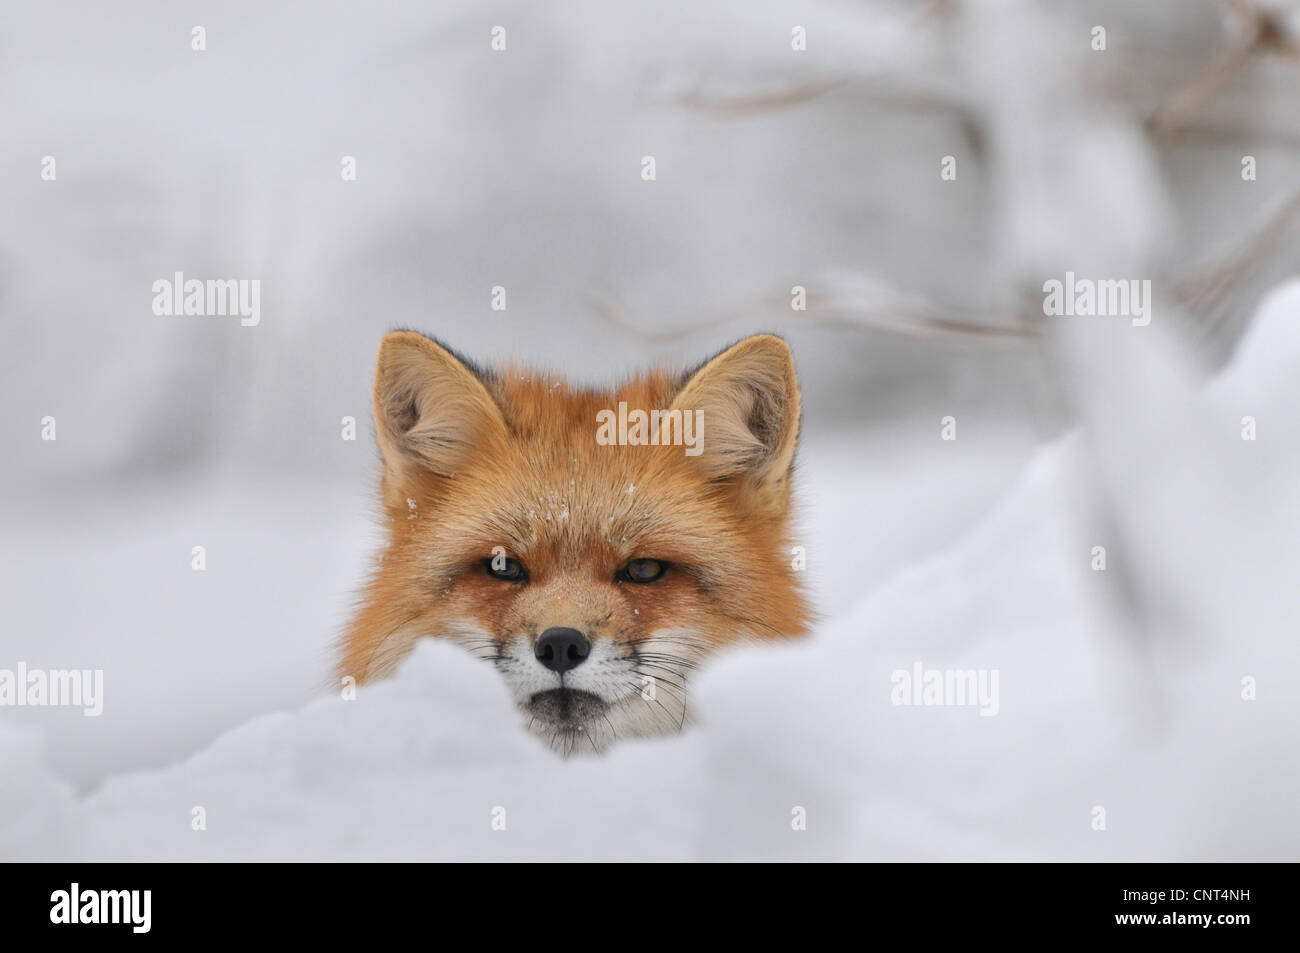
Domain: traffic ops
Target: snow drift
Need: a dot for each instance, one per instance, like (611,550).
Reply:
(1145,711)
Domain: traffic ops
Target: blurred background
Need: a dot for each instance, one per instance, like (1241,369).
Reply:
(795,144)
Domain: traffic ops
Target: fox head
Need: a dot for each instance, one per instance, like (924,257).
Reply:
(594,546)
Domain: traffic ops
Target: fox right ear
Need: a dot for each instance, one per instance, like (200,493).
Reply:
(430,407)
(748,397)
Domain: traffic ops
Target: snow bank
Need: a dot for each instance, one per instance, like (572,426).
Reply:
(1120,693)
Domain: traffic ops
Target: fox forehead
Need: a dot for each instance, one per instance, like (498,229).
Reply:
(554,486)
(540,405)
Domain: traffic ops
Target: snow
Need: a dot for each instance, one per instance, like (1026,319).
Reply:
(1119,690)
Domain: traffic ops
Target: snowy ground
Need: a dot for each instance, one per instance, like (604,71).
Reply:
(1120,690)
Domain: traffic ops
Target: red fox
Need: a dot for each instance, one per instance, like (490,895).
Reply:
(593,545)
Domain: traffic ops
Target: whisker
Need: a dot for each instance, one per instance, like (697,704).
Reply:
(691,642)
(662,679)
(665,710)
(670,659)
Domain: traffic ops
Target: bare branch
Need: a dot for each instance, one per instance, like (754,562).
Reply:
(1262,31)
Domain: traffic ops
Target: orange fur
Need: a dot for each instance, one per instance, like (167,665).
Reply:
(476,460)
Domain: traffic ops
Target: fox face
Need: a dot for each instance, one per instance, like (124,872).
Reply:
(594,546)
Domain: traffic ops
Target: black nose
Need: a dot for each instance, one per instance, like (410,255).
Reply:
(562,649)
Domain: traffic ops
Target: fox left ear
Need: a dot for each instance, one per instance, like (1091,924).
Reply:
(748,398)
(431,408)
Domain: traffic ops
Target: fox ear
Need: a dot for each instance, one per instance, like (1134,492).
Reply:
(748,397)
(431,407)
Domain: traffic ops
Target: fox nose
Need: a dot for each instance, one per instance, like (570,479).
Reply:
(562,649)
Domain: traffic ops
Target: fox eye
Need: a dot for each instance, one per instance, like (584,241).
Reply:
(508,569)
(642,570)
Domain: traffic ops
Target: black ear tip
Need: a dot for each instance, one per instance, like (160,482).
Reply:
(762,339)
(411,335)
